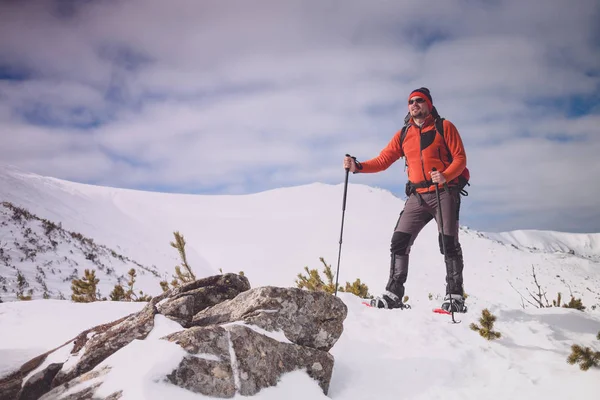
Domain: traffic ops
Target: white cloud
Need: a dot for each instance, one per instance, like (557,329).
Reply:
(246,96)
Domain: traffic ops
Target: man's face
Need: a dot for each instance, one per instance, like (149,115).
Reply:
(417,107)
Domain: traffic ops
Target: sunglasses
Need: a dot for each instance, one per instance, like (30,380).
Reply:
(417,100)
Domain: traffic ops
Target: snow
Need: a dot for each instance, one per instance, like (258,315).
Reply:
(271,236)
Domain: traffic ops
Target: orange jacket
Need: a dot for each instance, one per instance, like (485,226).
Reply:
(422,161)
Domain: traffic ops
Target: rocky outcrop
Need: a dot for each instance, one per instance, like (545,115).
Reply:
(312,319)
(188,300)
(236,340)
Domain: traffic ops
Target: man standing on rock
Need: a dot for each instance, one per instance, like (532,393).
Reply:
(432,158)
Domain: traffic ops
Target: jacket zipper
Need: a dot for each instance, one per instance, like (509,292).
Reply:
(421,154)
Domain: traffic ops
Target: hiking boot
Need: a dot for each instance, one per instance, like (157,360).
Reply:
(456,305)
(388,300)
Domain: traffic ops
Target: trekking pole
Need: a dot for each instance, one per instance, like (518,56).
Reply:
(439,206)
(337,274)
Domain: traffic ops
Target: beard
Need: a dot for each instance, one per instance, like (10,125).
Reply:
(420,114)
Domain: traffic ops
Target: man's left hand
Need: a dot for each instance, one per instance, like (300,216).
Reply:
(437,177)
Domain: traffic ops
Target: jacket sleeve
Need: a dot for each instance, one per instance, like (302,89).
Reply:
(390,154)
(455,145)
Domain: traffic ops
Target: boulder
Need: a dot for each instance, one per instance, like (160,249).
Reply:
(189,299)
(311,319)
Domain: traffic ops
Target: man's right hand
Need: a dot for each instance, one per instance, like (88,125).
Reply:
(349,164)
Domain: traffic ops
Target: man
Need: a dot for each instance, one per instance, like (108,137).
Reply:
(431,159)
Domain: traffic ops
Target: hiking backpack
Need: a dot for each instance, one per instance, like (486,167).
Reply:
(463,178)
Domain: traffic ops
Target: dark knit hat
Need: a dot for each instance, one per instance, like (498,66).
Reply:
(424,93)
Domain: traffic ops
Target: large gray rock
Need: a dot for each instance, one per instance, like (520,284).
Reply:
(311,319)
(104,344)
(80,389)
(189,299)
(228,349)
(259,361)
(208,369)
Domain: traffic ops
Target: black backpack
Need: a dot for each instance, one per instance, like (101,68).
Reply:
(463,179)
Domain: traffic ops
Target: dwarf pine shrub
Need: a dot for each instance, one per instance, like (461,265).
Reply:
(486,330)
(118,293)
(313,281)
(84,289)
(574,303)
(185,275)
(357,288)
(556,303)
(585,357)
(164,285)
(23,284)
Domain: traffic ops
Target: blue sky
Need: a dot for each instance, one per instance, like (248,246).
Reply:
(236,97)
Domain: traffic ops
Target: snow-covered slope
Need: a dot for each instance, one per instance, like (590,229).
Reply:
(271,236)
(38,258)
(382,354)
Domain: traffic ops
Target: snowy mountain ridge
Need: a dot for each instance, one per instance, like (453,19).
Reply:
(244,232)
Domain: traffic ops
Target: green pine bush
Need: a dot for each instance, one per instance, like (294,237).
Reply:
(585,357)
(574,303)
(486,330)
(84,289)
(313,281)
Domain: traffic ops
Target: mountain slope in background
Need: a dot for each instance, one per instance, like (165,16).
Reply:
(272,235)
(39,259)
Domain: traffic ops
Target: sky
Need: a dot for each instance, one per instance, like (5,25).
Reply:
(240,97)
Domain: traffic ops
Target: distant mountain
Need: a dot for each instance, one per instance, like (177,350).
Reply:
(580,244)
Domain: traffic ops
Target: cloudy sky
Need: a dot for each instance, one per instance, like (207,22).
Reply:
(229,97)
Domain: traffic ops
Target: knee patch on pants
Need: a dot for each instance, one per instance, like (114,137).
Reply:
(452,246)
(400,243)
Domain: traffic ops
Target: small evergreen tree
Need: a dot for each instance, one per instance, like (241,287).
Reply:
(164,285)
(574,303)
(556,303)
(185,275)
(130,294)
(22,284)
(118,293)
(598,335)
(313,281)
(357,288)
(84,289)
(487,326)
(585,357)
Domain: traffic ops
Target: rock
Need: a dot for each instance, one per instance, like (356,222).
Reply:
(85,392)
(228,350)
(258,362)
(312,319)
(262,360)
(104,344)
(39,383)
(189,299)
(208,369)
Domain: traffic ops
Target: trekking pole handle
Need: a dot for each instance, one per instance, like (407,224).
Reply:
(352,157)
(446,188)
